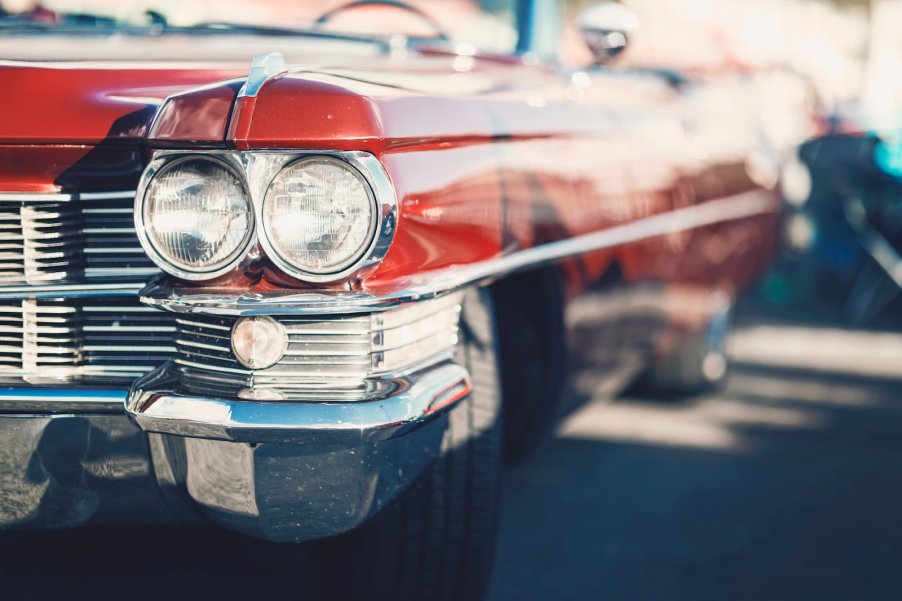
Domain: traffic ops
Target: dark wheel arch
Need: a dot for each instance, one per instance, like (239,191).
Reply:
(529,309)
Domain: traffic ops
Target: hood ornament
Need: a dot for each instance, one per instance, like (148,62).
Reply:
(263,67)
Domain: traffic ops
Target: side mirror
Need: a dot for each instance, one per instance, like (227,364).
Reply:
(607,28)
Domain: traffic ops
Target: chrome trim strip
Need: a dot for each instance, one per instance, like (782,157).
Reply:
(64,196)
(35,197)
(69,290)
(156,406)
(431,284)
(61,400)
(107,195)
(109,272)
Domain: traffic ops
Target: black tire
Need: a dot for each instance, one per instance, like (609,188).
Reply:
(533,359)
(437,541)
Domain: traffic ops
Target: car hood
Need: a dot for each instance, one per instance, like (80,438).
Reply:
(342,99)
(87,103)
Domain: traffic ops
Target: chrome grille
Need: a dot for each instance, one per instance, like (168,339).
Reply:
(10,337)
(123,338)
(82,237)
(111,247)
(328,357)
(82,243)
(39,243)
(65,340)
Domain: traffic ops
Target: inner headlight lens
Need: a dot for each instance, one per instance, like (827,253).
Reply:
(319,215)
(197,215)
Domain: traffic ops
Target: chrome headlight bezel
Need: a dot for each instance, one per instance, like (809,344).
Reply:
(258,169)
(159,167)
(343,269)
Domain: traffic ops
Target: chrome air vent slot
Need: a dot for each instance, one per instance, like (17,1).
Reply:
(111,246)
(75,247)
(11,339)
(124,339)
(111,339)
(39,242)
(327,357)
(80,238)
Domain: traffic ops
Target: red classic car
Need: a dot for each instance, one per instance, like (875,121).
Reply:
(323,294)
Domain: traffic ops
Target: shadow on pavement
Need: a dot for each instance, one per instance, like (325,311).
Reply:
(787,485)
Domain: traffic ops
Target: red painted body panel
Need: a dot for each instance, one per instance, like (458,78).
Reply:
(487,156)
(31,168)
(197,116)
(91,103)
(499,158)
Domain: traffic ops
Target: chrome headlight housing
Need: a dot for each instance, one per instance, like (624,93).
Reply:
(194,216)
(319,218)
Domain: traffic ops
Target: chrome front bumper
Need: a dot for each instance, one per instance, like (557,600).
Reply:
(156,405)
(279,470)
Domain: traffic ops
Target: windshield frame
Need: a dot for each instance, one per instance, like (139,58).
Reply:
(528,29)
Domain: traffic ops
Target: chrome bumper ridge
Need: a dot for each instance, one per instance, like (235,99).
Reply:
(156,405)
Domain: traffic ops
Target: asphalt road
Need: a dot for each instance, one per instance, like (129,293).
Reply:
(786,485)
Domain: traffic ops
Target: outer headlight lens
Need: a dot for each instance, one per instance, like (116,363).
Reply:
(197,217)
(319,216)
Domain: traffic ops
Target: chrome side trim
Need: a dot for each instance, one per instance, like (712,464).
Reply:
(106,195)
(156,405)
(61,400)
(428,285)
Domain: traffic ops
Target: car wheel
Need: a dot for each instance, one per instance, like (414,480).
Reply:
(699,363)
(437,541)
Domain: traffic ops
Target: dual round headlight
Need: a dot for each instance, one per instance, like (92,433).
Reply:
(318,217)
(197,217)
